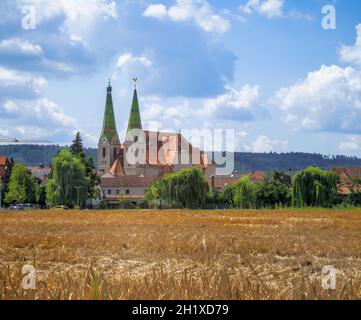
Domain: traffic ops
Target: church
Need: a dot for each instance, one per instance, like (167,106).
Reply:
(126,169)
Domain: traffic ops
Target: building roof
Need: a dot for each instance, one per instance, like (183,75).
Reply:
(126,181)
(166,149)
(135,121)
(257,176)
(3,160)
(109,129)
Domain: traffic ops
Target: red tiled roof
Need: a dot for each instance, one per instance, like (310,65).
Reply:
(257,176)
(168,146)
(117,168)
(126,181)
(3,160)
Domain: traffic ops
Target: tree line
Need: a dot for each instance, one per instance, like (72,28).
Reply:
(311,187)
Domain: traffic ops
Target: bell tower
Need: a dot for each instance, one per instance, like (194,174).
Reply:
(109,144)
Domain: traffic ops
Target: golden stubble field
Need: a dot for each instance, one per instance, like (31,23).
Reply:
(178,254)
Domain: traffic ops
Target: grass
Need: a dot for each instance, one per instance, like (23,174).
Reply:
(177,254)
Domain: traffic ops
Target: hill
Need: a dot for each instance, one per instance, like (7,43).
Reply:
(33,155)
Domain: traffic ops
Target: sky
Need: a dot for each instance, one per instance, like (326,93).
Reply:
(267,69)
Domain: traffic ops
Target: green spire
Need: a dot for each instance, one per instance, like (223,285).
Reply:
(135,121)
(109,126)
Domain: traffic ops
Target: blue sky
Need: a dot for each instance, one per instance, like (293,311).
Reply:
(265,68)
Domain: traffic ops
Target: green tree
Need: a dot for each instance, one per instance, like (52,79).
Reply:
(245,192)
(314,187)
(228,196)
(77,148)
(271,193)
(22,186)
(153,196)
(282,178)
(68,184)
(187,188)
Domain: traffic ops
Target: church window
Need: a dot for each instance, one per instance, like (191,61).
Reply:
(109,191)
(115,152)
(104,152)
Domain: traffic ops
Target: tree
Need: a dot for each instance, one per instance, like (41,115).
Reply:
(245,193)
(4,188)
(153,196)
(314,187)
(22,186)
(282,178)
(228,195)
(77,148)
(68,184)
(271,193)
(187,188)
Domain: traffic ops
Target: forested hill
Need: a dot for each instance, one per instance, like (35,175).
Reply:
(33,155)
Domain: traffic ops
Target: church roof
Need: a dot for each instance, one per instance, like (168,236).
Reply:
(109,129)
(135,121)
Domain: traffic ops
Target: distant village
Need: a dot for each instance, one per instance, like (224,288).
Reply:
(114,182)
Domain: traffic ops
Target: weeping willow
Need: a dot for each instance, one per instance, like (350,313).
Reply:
(187,188)
(314,187)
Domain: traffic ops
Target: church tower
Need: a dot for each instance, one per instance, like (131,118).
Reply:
(132,137)
(109,144)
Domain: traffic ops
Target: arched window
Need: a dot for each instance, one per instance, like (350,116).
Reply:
(104,152)
(115,153)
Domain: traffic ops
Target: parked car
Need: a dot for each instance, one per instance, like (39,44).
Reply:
(28,206)
(16,207)
(58,208)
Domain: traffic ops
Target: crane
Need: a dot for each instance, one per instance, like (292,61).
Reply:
(4,139)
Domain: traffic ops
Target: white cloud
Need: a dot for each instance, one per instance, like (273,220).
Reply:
(245,98)
(40,111)
(16,45)
(15,79)
(269,8)
(265,144)
(352,143)
(198,11)
(128,65)
(80,16)
(352,54)
(127,58)
(158,11)
(328,99)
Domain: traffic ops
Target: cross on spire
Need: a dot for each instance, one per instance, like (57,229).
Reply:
(135,82)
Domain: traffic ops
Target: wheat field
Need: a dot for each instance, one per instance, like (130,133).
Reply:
(179,254)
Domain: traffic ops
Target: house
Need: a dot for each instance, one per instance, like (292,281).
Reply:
(40,172)
(4,162)
(349,178)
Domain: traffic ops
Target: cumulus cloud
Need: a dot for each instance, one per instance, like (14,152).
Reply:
(198,11)
(269,8)
(234,105)
(328,99)
(18,46)
(352,54)
(12,82)
(35,119)
(81,12)
(266,144)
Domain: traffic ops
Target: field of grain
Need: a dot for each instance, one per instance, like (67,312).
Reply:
(180,254)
